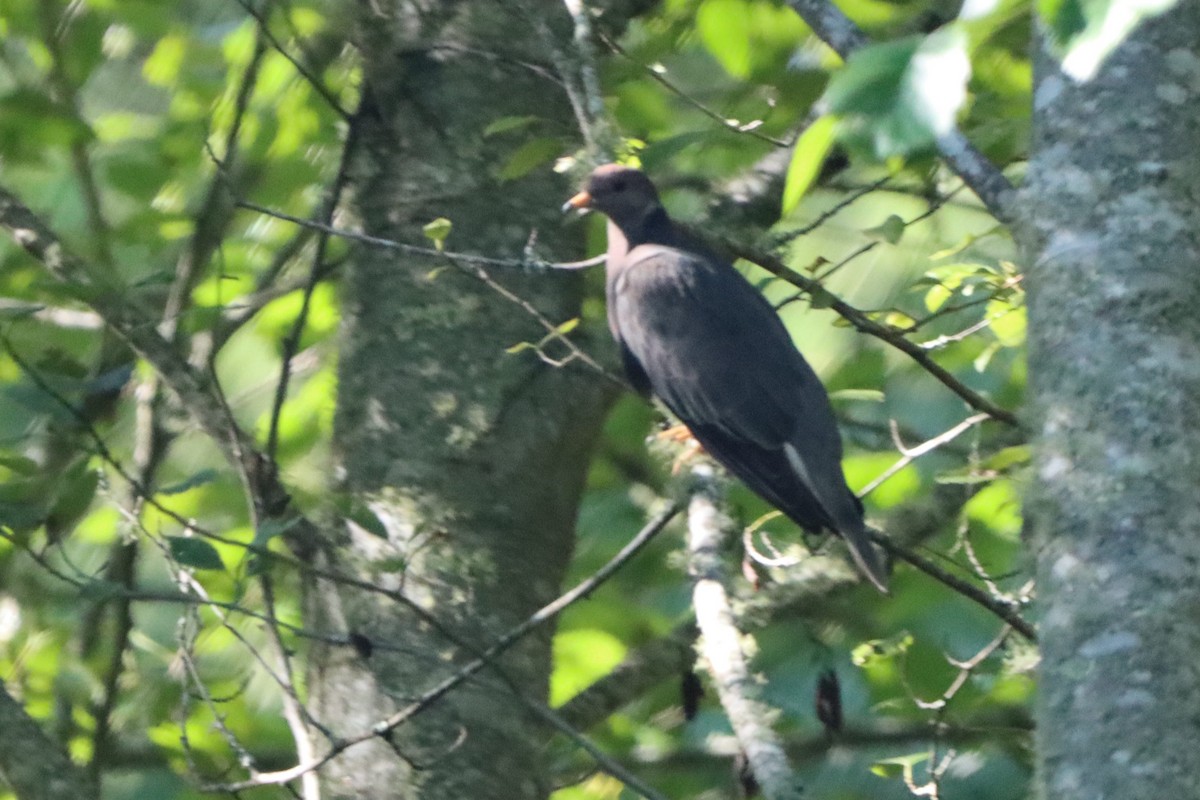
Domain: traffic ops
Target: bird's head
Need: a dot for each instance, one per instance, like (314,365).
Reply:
(623,194)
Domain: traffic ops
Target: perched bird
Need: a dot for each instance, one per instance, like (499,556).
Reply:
(693,332)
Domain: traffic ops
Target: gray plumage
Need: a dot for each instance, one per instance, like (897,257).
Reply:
(693,332)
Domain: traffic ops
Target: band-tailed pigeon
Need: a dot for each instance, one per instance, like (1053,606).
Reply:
(696,334)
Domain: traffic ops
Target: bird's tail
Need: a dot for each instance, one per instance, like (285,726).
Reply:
(844,511)
(858,538)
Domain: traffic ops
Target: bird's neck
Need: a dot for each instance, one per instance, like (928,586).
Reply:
(652,227)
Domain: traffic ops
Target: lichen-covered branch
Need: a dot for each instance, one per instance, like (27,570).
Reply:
(722,650)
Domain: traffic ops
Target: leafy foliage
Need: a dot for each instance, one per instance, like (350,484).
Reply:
(134,130)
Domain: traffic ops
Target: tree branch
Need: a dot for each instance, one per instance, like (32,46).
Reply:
(34,766)
(844,37)
(722,650)
(864,324)
(548,612)
(107,297)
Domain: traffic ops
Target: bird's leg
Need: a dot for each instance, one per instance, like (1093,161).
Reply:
(679,434)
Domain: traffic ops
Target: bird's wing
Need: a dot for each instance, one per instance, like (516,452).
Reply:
(714,350)
(716,353)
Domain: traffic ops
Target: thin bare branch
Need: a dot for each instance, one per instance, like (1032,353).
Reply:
(911,454)
(113,302)
(486,658)
(657,74)
(1005,610)
(864,324)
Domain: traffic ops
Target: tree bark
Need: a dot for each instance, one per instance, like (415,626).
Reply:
(34,766)
(1114,362)
(473,459)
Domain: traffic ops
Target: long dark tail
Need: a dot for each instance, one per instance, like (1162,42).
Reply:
(865,555)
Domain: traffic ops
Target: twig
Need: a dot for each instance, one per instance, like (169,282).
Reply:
(292,341)
(213,218)
(829,213)
(909,455)
(1003,609)
(431,696)
(589,69)
(472,265)
(67,94)
(304,71)
(606,762)
(864,324)
(107,297)
(733,125)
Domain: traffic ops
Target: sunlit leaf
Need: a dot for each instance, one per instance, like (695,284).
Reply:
(528,157)
(1084,32)
(807,158)
(162,66)
(436,231)
(724,27)
(882,648)
(506,124)
(1007,322)
(898,97)
(580,657)
(870,395)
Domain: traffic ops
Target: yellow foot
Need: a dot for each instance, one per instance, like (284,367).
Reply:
(679,434)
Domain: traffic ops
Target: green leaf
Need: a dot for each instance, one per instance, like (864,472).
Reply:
(897,98)
(724,27)
(820,297)
(882,648)
(437,230)
(1007,322)
(899,765)
(528,157)
(566,327)
(199,479)
(361,514)
(505,124)
(890,230)
(162,66)
(1009,457)
(75,495)
(272,527)
(32,124)
(811,150)
(520,347)
(19,464)
(192,552)
(1084,32)
(750,38)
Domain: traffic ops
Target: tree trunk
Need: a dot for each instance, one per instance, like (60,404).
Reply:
(473,459)
(1113,200)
